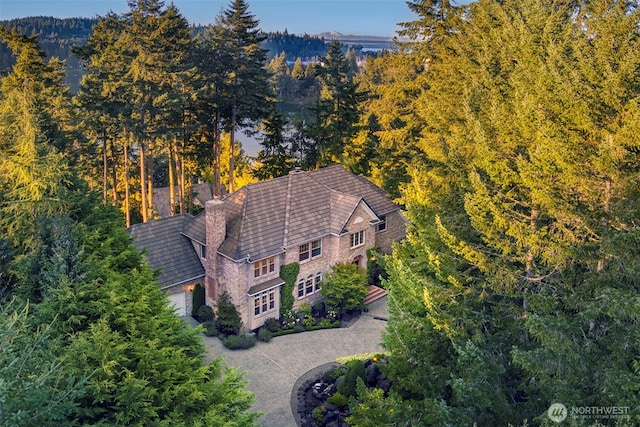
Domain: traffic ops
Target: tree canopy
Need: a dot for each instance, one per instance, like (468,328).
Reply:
(515,287)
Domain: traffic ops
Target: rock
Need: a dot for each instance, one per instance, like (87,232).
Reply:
(330,407)
(330,416)
(318,388)
(372,373)
(331,389)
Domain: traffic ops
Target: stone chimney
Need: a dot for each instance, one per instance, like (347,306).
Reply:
(216,229)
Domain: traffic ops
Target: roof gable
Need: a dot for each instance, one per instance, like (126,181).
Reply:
(168,250)
(266,217)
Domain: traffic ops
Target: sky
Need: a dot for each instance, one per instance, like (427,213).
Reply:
(349,17)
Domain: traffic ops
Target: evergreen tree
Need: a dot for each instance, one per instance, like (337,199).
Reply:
(338,109)
(502,297)
(246,91)
(33,174)
(274,159)
(34,386)
(297,72)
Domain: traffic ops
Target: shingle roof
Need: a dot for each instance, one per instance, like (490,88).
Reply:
(265,217)
(168,249)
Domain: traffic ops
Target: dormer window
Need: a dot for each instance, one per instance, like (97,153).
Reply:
(264,267)
(310,250)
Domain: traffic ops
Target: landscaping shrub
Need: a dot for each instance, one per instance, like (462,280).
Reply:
(205,313)
(333,374)
(272,325)
(229,322)
(355,370)
(197,299)
(318,415)
(319,309)
(293,330)
(236,342)
(338,399)
(264,335)
(210,328)
(345,287)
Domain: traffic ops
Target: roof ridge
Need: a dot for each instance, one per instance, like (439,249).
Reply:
(287,210)
(243,214)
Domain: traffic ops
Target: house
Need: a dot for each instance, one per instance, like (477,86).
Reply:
(316,219)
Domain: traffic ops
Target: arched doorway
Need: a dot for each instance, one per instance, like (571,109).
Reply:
(359,261)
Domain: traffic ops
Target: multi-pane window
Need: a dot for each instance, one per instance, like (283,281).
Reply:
(310,250)
(263,267)
(357,238)
(318,281)
(309,285)
(382,225)
(264,302)
(316,248)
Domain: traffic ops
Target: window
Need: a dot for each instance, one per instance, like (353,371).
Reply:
(263,267)
(357,238)
(382,225)
(310,285)
(316,248)
(264,302)
(203,251)
(310,250)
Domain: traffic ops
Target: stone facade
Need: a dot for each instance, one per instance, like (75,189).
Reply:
(254,284)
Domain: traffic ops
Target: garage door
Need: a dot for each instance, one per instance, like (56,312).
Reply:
(178,302)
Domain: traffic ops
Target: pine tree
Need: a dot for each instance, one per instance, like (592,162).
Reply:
(245,87)
(273,159)
(338,109)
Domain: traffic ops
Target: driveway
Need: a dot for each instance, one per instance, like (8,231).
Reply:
(272,368)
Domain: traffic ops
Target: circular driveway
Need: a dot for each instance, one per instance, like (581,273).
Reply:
(272,368)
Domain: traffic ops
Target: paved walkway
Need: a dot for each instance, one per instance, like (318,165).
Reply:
(272,368)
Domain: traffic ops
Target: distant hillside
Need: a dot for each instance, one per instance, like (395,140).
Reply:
(56,37)
(360,42)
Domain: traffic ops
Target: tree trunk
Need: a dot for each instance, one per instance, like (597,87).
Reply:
(180,177)
(105,168)
(172,190)
(127,206)
(217,190)
(143,183)
(231,149)
(149,161)
(114,171)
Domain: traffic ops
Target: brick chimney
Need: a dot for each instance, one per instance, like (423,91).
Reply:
(216,229)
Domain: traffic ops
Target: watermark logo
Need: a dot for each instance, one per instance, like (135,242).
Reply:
(557,412)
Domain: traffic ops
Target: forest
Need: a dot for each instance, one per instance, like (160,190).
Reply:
(506,129)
